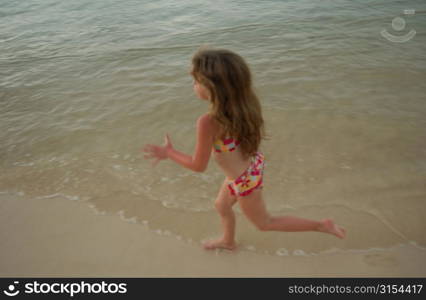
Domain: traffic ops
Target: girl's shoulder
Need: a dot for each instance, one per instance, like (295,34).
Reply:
(208,122)
(206,117)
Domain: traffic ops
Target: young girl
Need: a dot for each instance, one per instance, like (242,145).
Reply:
(232,131)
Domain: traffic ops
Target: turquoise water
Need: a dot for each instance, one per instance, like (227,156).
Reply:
(85,84)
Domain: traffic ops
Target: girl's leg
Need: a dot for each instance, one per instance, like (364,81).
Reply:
(223,204)
(254,208)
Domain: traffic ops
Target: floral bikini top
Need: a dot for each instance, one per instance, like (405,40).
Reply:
(225,145)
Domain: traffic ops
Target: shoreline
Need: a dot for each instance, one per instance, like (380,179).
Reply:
(56,237)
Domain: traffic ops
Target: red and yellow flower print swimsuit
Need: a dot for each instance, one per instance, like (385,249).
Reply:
(251,178)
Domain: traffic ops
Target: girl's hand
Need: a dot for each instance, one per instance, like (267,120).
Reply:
(158,152)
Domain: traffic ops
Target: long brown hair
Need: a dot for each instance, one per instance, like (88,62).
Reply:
(233,102)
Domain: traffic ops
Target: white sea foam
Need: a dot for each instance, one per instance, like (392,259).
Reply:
(299,252)
(23,164)
(282,252)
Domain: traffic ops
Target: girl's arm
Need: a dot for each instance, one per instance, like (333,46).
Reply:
(197,162)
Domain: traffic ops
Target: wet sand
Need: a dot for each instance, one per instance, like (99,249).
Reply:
(61,238)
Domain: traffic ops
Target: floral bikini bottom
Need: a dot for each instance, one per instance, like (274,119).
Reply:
(250,179)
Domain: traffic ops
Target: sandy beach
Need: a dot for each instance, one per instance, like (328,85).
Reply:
(62,238)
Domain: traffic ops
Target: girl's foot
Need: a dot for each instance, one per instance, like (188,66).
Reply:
(328,226)
(219,244)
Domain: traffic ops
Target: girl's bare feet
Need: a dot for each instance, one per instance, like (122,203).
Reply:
(328,226)
(219,244)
